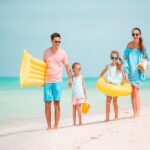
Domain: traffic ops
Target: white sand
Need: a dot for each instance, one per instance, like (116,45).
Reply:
(124,134)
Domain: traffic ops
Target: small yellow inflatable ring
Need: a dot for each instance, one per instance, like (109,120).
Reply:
(124,89)
(32,71)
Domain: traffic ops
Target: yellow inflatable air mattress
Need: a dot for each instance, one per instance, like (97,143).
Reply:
(124,89)
(32,71)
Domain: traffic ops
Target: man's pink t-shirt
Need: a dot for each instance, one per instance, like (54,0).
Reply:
(54,63)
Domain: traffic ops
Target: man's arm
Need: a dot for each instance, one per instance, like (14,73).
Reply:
(69,74)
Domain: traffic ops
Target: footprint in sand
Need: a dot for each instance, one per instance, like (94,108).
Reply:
(96,137)
(78,147)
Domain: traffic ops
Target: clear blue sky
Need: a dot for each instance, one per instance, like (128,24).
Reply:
(90,29)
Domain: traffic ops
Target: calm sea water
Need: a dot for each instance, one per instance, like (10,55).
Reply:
(20,106)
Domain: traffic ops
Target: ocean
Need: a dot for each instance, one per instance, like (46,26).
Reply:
(24,106)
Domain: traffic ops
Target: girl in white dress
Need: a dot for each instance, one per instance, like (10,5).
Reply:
(78,92)
(114,75)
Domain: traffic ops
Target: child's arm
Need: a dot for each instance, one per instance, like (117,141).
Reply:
(83,85)
(104,71)
(125,76)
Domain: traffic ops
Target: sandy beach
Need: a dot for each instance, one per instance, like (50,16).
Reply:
(124,134)
(94,34)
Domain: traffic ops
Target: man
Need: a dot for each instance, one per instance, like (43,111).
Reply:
(55,58)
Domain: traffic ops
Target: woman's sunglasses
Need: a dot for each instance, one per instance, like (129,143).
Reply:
(135,34)
(114,58)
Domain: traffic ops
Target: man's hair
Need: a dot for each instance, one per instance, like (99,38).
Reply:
(55,35)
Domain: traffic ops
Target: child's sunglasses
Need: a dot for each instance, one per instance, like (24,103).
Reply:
(114,58)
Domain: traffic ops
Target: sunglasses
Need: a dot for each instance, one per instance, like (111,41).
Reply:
(114,58)
(57,41)
(135,34)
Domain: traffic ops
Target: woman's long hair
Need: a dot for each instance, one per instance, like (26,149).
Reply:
(119,61)
(141,45)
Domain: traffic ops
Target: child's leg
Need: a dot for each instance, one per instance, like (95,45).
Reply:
(108,101)
(115,107)
(79,113)
(74,115)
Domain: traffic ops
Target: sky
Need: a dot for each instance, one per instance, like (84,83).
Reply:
(90,30)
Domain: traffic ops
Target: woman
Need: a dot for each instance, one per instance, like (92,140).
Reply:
(133,55)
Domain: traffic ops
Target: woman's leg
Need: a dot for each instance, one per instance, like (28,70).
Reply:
(133,100)
(137,101)
(108,101)
(79,113)
(74,115)
(115,107)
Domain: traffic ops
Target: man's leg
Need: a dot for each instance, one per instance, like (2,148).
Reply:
(48,114)
(57,113)
(56,90)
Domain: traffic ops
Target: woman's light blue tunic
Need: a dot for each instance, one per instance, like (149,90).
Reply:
(131,59)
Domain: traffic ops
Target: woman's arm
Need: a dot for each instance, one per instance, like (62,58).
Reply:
(103,72)
(146,56)
(125,61)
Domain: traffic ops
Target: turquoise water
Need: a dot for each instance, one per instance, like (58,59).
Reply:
(13,83)
(25,105)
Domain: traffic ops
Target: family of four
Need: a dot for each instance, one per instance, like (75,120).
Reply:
(55,58)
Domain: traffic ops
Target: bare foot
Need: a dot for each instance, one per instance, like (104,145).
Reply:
(49,128)
(132,117)
(80,123)
(55,127)
(107,120)
(115,119)
(135,116)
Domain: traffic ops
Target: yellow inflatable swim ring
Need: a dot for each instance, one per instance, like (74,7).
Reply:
(124,89)
(32,71)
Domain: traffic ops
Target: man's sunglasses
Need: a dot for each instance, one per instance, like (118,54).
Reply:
(57,41)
